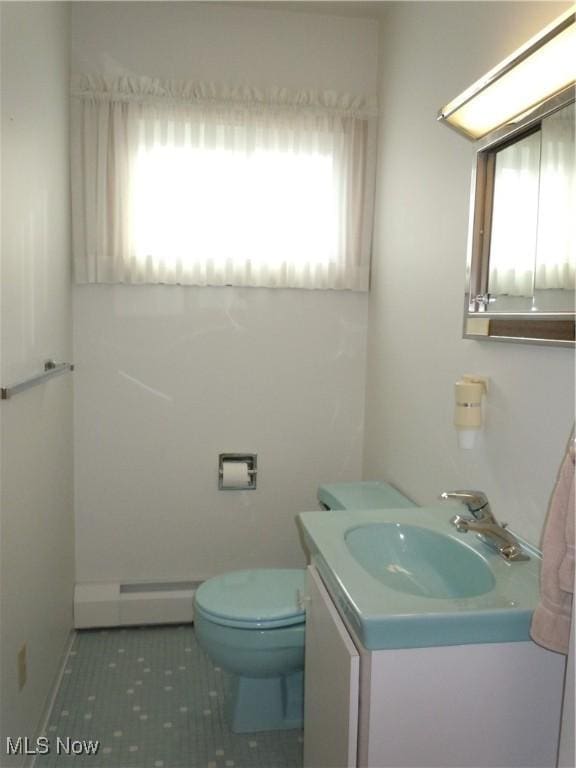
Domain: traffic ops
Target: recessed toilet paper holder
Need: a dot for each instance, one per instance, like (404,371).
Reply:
(234,460)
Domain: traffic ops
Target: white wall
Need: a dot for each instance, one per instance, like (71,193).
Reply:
(36,519)
(168,377)
(429,53)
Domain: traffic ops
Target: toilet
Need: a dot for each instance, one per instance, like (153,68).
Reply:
(252,624)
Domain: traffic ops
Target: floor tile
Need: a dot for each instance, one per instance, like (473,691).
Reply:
(153,699)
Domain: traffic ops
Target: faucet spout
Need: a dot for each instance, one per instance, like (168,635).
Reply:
(475,501)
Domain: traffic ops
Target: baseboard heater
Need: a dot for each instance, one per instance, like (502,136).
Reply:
(121,605)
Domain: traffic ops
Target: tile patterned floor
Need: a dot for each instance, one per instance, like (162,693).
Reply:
(153,699)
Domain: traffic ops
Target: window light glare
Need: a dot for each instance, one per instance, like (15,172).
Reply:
(238,204)
(548,70)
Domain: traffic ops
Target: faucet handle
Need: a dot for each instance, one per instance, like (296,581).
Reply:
(474,500)
(460,523)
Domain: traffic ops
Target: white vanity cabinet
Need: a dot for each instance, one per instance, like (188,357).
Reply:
(467,706)
(331,686)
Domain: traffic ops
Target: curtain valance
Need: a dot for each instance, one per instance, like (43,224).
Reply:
(153,90)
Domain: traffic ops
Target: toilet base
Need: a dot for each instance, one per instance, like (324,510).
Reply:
(267,703)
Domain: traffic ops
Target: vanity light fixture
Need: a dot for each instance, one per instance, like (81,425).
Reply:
(543,66)
(469,391)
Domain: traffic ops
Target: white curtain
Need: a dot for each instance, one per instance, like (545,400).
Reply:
(556,252)
(515,218)
(533,241)
(193,184)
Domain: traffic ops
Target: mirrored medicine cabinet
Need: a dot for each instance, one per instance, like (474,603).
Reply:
(521,268)
(521,264)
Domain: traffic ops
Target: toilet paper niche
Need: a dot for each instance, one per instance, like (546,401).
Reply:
(237,471)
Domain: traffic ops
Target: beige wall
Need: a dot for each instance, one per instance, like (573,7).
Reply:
(36,520)
(429,53)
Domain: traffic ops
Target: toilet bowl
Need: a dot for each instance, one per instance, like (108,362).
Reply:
(251,624)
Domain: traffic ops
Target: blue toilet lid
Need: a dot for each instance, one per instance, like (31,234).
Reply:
(262,598)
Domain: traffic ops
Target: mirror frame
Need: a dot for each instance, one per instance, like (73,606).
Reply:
(557,328)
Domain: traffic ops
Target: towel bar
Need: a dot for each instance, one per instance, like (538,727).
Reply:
(50,369)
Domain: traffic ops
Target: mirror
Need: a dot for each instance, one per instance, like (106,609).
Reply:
(522,244)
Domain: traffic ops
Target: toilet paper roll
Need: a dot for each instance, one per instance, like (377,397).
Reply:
(235,474)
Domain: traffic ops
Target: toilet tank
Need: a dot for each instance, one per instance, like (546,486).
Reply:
(362,495)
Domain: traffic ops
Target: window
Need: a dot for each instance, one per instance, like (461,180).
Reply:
(242,189)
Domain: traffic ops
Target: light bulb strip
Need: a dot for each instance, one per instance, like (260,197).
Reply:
(507,65)
(462,113)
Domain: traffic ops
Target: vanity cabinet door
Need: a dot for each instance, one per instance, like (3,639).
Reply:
(332,671)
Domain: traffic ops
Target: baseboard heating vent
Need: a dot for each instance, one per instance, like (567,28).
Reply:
(118,605)
(159,586)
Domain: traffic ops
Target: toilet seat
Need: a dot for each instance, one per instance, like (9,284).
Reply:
(253,599)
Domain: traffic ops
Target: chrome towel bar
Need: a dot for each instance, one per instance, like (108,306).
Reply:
(51,369)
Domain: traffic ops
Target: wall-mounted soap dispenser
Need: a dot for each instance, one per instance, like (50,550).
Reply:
(469,391)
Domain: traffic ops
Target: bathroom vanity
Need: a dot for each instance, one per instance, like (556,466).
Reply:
(419,655)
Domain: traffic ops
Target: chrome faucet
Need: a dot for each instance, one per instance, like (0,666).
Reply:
(484,524)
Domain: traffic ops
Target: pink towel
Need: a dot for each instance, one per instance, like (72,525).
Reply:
(553,616)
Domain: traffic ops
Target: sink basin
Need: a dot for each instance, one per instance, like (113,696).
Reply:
(405,578)
(418,561)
